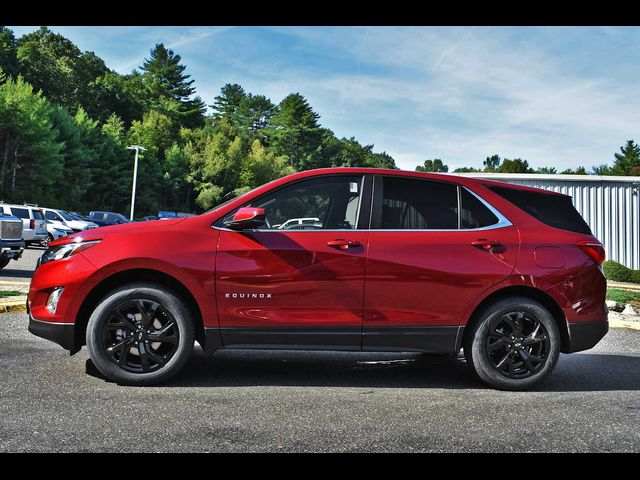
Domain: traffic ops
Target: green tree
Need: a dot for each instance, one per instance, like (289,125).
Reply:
(547,170)
(514,166)
(627,162)
(156,133)
(30,154)
(8,52)
(492,163)
(434,165)
(52,63)
(167,84)
(603,169)
(252,113)
(293,131)
(578,171)
(228,102)
(466,170)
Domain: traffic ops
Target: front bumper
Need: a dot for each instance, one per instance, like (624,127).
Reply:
(585,335)
(61,333)
(11,249)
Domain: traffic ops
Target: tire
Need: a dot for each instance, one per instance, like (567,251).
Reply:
(506,332)
(45,242)
(4,262)
(119,320)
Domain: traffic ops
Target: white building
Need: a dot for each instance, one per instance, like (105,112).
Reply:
(610,205)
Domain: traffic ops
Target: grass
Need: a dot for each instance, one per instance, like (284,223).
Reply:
(10,293)
(623,296)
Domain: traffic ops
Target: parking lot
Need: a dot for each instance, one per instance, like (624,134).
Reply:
(240,401)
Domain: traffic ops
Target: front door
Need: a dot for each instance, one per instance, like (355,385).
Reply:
(298,281)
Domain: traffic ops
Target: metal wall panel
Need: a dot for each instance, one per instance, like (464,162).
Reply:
(611,208)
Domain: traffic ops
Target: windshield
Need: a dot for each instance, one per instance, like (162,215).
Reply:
(65,215)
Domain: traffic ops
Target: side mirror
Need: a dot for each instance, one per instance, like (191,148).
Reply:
(247,218)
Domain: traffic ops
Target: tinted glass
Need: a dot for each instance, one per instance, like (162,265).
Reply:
(419,204)
(318,204)
(473,213)
(37,214)
(554,210)
(20,212)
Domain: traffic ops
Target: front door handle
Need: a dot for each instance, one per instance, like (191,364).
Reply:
(344,244)
(485,244)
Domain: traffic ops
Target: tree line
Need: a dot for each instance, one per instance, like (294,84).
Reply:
(626,162)
(66,120)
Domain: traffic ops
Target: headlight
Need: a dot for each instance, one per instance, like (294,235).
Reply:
(64,251)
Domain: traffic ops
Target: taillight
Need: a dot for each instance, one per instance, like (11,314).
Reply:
(32,224)
(594,250)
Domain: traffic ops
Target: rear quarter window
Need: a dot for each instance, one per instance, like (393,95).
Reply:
(552,209)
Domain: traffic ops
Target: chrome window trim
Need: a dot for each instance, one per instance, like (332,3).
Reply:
(502,223)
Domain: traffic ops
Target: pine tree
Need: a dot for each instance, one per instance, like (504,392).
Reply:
(228,102)
(167,84)
(294,131)
(627,162)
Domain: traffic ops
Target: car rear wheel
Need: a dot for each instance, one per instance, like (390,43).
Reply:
(4,262)
(514,344)
(140,334)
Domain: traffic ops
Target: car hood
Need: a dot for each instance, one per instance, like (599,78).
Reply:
(79,224)
(101,232)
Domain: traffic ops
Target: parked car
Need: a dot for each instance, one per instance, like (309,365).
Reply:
(56,231)
(79,216)
(107,218)
(296,222)
(404,262)
(11,242)
(34,224)
(61,218)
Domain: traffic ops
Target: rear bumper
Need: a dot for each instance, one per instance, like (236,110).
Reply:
(585,335)
(61,333)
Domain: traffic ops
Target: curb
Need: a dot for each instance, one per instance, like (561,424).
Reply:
(16,304)
(624,324)
(629,287)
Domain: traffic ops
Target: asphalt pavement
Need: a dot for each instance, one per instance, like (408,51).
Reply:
(21,270)
(240,401)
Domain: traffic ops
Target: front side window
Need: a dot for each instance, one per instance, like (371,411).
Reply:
(324,203)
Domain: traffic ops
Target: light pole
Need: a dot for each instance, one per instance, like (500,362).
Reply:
(137,148)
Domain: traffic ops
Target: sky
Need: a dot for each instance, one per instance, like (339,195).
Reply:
(555,96)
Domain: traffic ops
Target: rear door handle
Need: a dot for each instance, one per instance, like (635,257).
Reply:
(485,244)
(344,244)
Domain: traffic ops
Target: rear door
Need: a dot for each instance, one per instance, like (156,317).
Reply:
(430,256)
(297,288)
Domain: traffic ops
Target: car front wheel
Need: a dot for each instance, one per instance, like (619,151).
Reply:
(514,344)
(140,334)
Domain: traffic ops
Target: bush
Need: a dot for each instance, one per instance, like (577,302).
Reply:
(619,273)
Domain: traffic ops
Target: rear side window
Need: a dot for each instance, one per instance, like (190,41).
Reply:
(554,210)
(37,214)
(20,212)
(473,213)
(419,204)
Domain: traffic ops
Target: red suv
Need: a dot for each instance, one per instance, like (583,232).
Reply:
(349,259)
